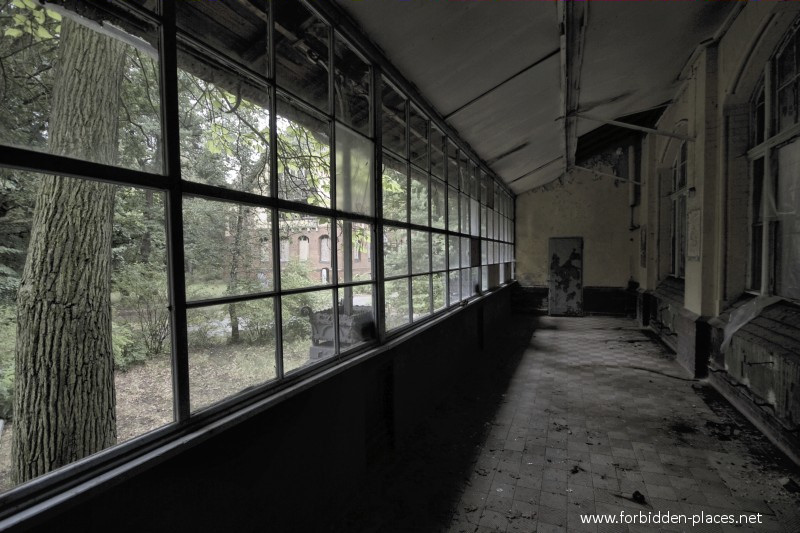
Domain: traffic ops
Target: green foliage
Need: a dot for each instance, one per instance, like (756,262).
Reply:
(144,306)
(127,346)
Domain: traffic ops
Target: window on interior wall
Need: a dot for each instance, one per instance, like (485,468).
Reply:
(775,176)
(679,217)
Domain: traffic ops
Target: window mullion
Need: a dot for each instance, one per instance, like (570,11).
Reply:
(766,188)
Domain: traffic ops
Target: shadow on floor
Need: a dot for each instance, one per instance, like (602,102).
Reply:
(418,487)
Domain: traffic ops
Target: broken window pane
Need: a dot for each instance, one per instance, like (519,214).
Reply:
(228,249)
(356,317)
(304,156)
(231,348)
(395,187)
(355,252)
(307,320)
(297,273)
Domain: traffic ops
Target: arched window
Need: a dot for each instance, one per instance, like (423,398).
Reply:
(325,275)
(679,215)
(303,242)
(324,249)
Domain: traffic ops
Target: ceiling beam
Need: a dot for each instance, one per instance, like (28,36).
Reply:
(629,126)
(573,17)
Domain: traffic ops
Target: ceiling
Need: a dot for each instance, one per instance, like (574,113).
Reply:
(495,70)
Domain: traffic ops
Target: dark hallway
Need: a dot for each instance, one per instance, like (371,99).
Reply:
(572,419)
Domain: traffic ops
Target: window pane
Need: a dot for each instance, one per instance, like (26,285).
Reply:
(356,317)
(393,120)
(452,164)
(307,328)
(231,348)
(103,106)
(484,252)
(438,251)
(396,303)
(465,225)
(316,270)
(355,252)
(474,219)
(419,197)
(466,289)
(452,209)
(786,64)
(395,251)
(787,226)
(454,287)
(484,224)
(439,291)
(236,29)
(453,253)
(354,161)
(787,106)
(352,83)
(438,213)
(302,44)
(465,252)
(418,134)
(228,248)
(421,296)
(98,249)
(420,254)
(304,156)
(464,172)
(395,189)
(438,153)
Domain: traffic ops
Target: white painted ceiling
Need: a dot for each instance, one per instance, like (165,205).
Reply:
(493,68)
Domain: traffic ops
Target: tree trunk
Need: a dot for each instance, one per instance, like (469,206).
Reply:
(64,401)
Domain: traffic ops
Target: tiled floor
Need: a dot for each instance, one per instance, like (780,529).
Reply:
(587,413)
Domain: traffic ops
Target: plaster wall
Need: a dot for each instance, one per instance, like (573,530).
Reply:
(584,205)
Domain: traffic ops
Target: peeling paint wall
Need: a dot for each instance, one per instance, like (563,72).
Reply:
(585,205)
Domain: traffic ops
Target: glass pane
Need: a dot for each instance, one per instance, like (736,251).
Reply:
(438,212)
(787,106)
(484,279)
(356,317)
(484,224)
(227,247)
(465,225)
(465,252)
(438,154)
(439,291)
(355,251)
(236,29)
(419,197)
(466,289)
(484,252)
(452,209)
(475,280)
(453,253)
(231,348)
(98,249)
(420,253)
(102,106)
(787,227)
(396,303)
(305,250)
(454,287)
(464,172)
(395,251)
(438,251)
(395,189)
(307,328)
(452,164)
(418,138)
(224,130)
(354,161)
(352,83)
(474,217)
(786,64)
(421,296)
(393,120)
(302,44)
(304,156)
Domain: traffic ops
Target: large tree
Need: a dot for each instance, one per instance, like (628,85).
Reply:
(64,394)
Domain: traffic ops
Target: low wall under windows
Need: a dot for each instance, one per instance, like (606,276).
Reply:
(289,466)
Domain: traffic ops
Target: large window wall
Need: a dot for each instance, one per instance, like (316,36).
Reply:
(229,196)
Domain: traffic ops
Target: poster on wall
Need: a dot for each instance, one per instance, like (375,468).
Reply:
(693,236)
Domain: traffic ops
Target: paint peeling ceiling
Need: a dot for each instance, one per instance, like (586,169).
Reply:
(494,70)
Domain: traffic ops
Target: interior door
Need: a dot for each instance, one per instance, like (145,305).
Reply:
(566,277)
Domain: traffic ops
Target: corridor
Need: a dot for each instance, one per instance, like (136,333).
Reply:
(579,416)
